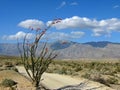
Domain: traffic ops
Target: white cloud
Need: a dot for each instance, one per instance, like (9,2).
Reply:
(18,35)
(61,5)
(64,36)
(98,27)
(32,24)
(75,22)
(77,34)
(74,3)
(116,6)
(49,35)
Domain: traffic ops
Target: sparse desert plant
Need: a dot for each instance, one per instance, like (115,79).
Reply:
(102,81)
(1,65)
(8,64)
(8,83)
(14,69)
(36,63)
(78,68)
(112,80)
(99,72)
(49,70)
(117,69)
(86,75)
(63,71)
(95,77)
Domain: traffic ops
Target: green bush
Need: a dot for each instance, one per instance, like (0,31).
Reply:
(8,83)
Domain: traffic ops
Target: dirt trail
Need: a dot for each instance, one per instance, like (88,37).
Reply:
(62,82)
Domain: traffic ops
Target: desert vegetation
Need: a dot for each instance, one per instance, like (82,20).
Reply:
(105,72)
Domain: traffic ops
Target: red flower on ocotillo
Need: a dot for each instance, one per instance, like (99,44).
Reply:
(64,42)
(46,50)
(38,28)
(56,21)
(31,28)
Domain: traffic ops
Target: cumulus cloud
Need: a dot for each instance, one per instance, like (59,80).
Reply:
(18,35)
(49,35)
(64,36)
(61,5)
(98,27)
(77,34)
(32,24)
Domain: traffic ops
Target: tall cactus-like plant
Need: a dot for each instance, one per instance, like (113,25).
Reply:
(36,64)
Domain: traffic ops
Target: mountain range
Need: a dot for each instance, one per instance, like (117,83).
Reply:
(72,50)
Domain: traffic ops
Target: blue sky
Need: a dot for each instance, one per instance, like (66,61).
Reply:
(82,20)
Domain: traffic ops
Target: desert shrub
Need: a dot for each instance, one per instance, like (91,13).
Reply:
(93,64)
(102,81)
(78,68)
(112,80)
(63,71)
(7,68)
(117,69)
(69,72)
(1,65)
(69,64)
(8,83)
(86,75)
(75,74)
(8,64)
(17,63)
(14,69)
(98,68)
(95,77)
(49,70)
(1,69)
(108,71)
(92,75)
(10,68)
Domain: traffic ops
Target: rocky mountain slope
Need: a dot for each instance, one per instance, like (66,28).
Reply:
(73,50)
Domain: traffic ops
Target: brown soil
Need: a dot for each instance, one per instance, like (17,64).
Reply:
(23,83)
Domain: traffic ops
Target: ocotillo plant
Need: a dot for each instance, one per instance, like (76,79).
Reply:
(36,64)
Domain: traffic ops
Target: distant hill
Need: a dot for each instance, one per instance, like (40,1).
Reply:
(100,44)
(73,50)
